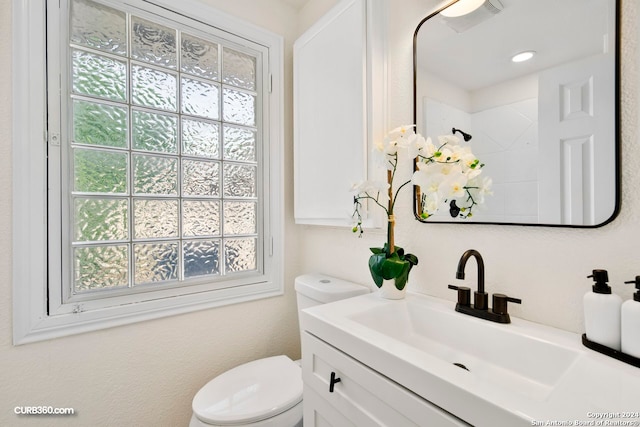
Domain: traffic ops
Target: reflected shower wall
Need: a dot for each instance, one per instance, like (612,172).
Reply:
(505,138)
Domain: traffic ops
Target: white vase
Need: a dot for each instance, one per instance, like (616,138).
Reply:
(388,290)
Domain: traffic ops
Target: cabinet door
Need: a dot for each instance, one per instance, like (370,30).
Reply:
(319,413)
(362,397)
(337,63)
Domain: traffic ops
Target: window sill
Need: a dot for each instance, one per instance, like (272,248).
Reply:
(50,327)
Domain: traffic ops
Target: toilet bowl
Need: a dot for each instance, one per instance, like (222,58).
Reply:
(266,392)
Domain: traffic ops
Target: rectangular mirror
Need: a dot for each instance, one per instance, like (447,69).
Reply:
(546,128)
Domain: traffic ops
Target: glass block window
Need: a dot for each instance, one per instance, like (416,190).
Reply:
(163,153)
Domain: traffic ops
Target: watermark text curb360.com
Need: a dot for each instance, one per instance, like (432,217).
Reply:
(42,410)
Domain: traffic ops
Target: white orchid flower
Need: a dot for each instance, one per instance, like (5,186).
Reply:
(401,132)
(444,155)
(387,146)
(379,190)
(380,155)
(454,181)
(429,148)
(431,203)
(448,140)
(428,177)
(412,145)
(460,154)
(415,146)
(484,189)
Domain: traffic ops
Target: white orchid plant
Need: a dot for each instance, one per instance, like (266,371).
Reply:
(447,174)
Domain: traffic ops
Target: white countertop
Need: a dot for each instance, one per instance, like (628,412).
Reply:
(589,385)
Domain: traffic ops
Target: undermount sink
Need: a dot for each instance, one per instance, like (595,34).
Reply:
(493,352)
(485,373)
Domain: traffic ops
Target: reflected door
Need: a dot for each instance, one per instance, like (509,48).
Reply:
(575,143)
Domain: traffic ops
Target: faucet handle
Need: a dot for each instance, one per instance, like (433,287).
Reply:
(464,294)
(500,303)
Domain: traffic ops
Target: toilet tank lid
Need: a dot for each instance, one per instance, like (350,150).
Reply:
(324,288)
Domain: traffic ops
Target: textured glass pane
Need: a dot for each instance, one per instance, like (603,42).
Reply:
(200,178)
(199,57)
(154,88)
(97,171)
(155,218)
(99,124)
(200,138)
(239,144)
(201,258)
(100,267)
(239,181)
(154,43)
(240,254)
(156,262)
(200,98)
(99,76)
(155,175)
(154,132)
(98,26)
(239,218)
(101,219)
(239,69)
(239,107)
(200,218)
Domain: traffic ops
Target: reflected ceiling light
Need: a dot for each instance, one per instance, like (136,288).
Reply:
(523,56)
(462,7)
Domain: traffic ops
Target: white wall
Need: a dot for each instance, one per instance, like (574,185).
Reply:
(146,373)
(546,267)
(505,138)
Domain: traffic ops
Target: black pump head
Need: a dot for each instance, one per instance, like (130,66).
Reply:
(636,295)
(601,277)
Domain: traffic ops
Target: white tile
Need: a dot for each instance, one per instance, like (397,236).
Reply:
(521,165)
(521,198)
(494,166)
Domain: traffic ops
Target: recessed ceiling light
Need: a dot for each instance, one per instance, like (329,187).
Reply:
(462,7)
(523,56)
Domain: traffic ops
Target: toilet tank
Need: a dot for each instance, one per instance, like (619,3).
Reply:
(316,288)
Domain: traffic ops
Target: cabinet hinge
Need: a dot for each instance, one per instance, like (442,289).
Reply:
(270,83)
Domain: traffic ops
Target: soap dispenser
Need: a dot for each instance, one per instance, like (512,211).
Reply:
(602,312)
(630,323)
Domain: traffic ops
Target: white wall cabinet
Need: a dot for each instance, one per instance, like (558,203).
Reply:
(339,101)
(362,396)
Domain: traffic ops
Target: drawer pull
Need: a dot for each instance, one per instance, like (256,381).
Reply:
(333,381)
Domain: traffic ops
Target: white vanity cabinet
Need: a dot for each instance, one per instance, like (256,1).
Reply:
(339,81)
(362,397)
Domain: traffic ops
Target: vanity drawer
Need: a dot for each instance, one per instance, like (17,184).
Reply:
(362,397)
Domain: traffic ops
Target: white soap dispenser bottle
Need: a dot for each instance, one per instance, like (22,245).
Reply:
(602,312)
(630,323)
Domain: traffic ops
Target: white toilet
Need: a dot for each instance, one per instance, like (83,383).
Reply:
(267,392)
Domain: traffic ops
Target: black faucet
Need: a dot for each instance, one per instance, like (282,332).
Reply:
(480,297)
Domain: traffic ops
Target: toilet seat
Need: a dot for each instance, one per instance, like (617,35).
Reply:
(251,392)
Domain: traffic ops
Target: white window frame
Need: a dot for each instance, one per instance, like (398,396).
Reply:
(33,318)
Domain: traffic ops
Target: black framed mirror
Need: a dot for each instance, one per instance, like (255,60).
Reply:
(546,129)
